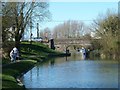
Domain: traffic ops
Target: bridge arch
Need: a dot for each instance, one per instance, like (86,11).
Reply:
(70,47)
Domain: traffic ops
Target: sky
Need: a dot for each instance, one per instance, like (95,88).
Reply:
(81,11)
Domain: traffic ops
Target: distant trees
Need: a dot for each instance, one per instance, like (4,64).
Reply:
(108,30)
(47,33)
(69,29)
(17,15)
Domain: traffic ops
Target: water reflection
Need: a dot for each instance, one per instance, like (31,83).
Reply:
(31,75)
(37,68)
(52,62)
(73,72)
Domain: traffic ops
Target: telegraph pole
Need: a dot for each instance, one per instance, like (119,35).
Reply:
(31,32)
(37,30)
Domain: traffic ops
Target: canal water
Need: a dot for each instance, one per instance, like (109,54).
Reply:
(73,72)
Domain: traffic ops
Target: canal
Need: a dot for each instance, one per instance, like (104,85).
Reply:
(73,72)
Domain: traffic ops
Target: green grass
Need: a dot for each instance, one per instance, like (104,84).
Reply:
(10,84)
(36,51)
(8,78)
(11,71)
(36,48)
(5,61)
(17,68)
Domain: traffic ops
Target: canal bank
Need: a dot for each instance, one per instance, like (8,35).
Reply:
(12,71)
(30,55)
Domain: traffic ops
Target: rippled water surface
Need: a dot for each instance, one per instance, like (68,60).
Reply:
(73,72)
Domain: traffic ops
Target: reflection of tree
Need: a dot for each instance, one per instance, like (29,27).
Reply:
(30,75)
(66,58)
(37,67)
(52,62)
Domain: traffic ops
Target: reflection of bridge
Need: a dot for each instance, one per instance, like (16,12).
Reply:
(61,44)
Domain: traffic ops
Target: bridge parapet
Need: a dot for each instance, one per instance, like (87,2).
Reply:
(61,44)
(71,41)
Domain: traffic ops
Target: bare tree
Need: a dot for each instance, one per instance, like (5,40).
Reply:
(47,33)
(69,29)
(21,14)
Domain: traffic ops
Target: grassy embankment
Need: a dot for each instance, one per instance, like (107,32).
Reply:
(10,73)
(37,51)
(30,54)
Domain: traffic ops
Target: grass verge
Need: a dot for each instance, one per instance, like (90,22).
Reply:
(11,71)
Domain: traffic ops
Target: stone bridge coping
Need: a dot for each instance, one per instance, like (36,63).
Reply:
(72,41)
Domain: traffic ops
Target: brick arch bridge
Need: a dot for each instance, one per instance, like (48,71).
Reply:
(63,44)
